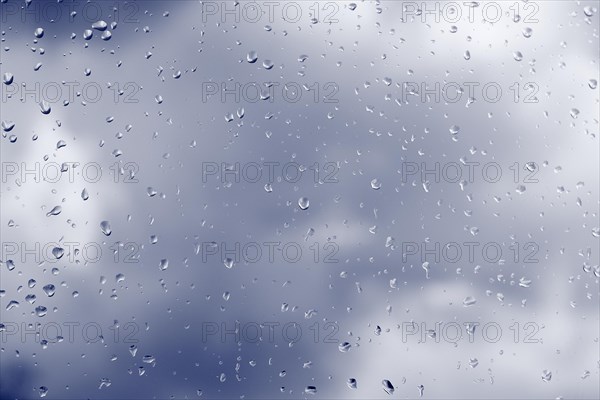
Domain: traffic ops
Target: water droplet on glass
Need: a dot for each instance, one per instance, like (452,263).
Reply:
(310,390)
(49,289)
(7,78)
(518,56)
(469,301)
(105,228)
(164,264)
(58,252)
(574,113)
(7,126)
(251,57)
(388,387)
(55,211)
(546,375)
(351,383)
(303,203)
(100,25)
(39,32)
(41,311)
(344,347)
(45,107)
(375,184)
(267,64)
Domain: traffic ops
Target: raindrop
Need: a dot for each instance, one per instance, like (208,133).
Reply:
(55,211)
(574,113)
(7,126)
(41,311)
(45,107)
(388,387)
(344,347)
(39,32)
(49,289)
(546,375)
(303,203)
(267,64)
(251,57)
(164,264)
(310,390)
(58,252)
(469,301)
(105,228)
(7,78)
(518,56)
(99,25)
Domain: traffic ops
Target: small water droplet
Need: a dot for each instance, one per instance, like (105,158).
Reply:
(518,56)
(252,56)
(303,203)
(164,264)
(388,387)
(49,289)
(41,311)
(55,211)
(546,375)
(105,228)
(45,107)
(344,347)
(469,301)
(100,25)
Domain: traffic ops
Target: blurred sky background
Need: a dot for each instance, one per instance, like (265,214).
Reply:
(164,56)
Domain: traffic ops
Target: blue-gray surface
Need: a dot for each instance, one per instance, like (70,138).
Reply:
(368,199)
